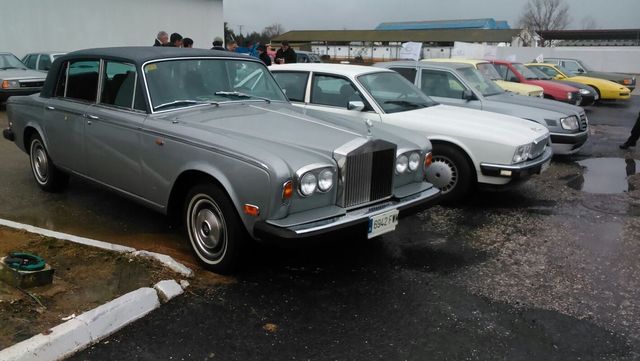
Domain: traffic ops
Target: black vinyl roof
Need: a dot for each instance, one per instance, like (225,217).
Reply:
(142,54)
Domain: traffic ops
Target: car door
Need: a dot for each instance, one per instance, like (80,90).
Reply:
(65,113)
(446,88)
(333,93)
(112,130)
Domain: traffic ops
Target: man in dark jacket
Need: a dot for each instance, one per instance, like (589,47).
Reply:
(286,55)
(217,44)
(175,40)
(633,138)
(262,51)
(161,39)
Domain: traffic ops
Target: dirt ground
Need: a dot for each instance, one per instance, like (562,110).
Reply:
(85,277)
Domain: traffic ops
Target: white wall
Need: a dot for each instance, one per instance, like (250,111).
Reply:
(66,25)
(624,59)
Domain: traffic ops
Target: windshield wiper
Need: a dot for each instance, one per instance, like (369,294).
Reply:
(227,94)
(183,102)
(407,103)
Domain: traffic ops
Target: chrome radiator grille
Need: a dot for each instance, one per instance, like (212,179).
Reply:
(583,122)
(367,174)
(538,146)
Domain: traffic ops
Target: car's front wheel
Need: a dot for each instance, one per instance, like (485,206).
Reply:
(46,174)
(216,234)
(451,172)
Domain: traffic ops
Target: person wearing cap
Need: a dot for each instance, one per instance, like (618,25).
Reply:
(262,54)
(217,44)
(286,55)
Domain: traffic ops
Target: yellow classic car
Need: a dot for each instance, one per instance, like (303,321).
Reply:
(490,72)
(607,89)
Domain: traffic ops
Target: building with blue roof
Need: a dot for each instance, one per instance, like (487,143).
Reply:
(486,24)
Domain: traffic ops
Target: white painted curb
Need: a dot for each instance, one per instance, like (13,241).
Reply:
(168,261)
(90,327)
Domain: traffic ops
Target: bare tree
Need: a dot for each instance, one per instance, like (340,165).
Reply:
(273,30)
(545,15)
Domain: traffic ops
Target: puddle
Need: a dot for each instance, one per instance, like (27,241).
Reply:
(605,175)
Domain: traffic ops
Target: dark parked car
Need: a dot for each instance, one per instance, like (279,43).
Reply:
(308,57)
(579,67)
(210,137)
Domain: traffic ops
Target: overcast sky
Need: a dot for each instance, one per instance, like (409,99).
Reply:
(367,14)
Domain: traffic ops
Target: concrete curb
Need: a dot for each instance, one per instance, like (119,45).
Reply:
(92,326)
(168,261)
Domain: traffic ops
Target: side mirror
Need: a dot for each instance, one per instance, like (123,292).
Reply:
(467,94)
(356,105)
(581,71)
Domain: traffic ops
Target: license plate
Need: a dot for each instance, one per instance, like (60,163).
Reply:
(383,223)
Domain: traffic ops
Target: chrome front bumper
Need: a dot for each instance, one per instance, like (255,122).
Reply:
(283,229)
(520,170)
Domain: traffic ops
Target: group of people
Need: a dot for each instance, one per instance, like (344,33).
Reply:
(284,55)
(175,40)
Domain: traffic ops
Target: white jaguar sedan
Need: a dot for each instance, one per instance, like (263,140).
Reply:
(470,147)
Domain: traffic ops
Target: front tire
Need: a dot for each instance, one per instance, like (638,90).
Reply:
(451,172)
(46,174)
(216,234)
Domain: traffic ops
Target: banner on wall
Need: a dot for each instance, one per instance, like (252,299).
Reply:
(473,51)
(410,50)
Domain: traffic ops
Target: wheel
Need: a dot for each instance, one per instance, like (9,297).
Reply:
(216,234)
(46,174)
(451,172)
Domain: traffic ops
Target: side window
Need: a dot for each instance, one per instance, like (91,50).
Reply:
(441,84)
(548,70)
(502,70)
(334,91)
(293,83)
(82,80)
(44,63)
(407,73)
(570,65)
(119,85)
(511,76)
(30,62)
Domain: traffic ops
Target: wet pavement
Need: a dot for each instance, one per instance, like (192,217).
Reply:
(548,271)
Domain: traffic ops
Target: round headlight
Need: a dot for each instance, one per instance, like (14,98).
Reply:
(308,184)
(414,161)
(584,92)
(401,164)
(325,180)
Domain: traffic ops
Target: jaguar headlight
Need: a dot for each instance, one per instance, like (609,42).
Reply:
(402,163)
(10,84)
(584,92)
(308,184)
(414,161)
(325,180)
(522,153)
(569,123)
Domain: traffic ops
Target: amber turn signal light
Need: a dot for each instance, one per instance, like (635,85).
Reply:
(5,84)
(287,190)
(251,210)
(428,159)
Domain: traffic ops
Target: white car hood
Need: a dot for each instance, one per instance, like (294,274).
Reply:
(457,121)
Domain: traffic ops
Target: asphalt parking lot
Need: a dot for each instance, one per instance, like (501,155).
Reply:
(547,271)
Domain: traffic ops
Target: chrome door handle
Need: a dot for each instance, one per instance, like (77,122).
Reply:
(49,107)
(94,117)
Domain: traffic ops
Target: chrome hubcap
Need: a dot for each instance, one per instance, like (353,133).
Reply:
(443,174)
(207,228)
(40,163)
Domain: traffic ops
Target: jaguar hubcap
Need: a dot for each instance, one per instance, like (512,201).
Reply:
(443,174)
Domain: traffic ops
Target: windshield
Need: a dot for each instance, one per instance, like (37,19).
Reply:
(488,70)
(393,93)
(187,82)
(539,73)
(566,71)
(479,82)
(528,74)
(9,61)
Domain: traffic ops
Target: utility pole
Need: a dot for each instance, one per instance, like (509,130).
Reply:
(240,30)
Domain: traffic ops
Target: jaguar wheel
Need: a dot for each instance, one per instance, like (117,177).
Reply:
(216,234)
(451,172)
(46,174)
